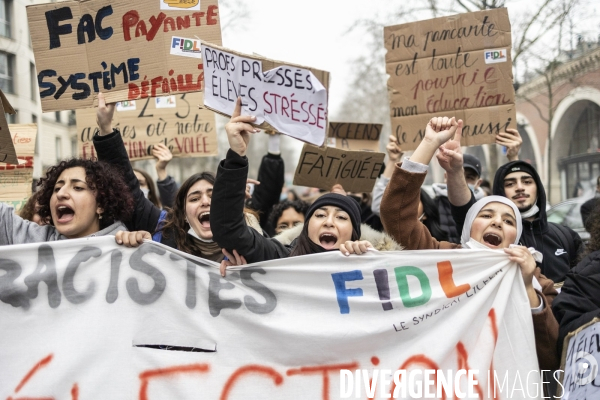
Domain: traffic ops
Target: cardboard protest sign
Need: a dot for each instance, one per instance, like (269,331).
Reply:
(8,153)
(283,97)
(579,365)
(129,50)
(16,179)
(153,322)
(175,121)
(351,158)
(451,66)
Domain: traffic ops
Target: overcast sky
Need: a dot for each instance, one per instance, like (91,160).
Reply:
(308,32)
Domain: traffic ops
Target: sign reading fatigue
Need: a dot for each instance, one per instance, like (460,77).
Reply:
(457,66)
(15,180)
(283,97)
(175,121)
(128,50)
(351,158)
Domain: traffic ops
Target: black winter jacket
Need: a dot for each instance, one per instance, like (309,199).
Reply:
(579,300)
(271,177)
(110,149)
(560,245)
(227,220)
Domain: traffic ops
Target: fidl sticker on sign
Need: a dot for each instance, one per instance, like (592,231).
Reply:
(495,56)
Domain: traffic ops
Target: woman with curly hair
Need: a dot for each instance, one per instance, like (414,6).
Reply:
(79,198)
(579,300)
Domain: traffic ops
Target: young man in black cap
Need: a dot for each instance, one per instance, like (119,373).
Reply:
(472,173)
(560,245)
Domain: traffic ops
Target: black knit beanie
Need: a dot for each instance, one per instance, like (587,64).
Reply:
(346,203)
(521,167)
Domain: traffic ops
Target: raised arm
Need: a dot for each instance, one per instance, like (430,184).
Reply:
(110,149)
(399,206)
(394,155)
(167,187)
(227,220)
(511,139)
(271,177)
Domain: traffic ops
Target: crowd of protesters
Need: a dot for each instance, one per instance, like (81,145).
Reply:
(79,198)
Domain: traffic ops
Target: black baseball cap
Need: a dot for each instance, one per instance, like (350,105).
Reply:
(472,162)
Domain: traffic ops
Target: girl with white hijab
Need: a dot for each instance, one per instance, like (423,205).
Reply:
(493,222)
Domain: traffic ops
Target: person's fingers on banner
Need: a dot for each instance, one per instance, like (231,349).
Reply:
(339,189)
(132,239)
(355,247)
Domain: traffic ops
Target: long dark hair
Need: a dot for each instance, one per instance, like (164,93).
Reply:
(112,193)
(152,192)
(432,222)
(175,222)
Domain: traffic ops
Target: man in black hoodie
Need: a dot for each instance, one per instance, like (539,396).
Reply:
(520,182)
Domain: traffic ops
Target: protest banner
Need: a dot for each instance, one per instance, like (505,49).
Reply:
(287,98)
(351,158)
(579,365)
(175,121)
(84,316)
(456,66)
(128,50)
(8,153)
(16,179)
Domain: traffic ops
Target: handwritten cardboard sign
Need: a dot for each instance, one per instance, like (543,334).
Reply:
(8,153)
(580,360)
(284,97)
(451,66)
(351,158)
(175,121)
(128,50)
(16,180)
(155,323)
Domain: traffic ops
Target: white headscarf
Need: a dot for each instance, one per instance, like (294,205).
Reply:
(466,240)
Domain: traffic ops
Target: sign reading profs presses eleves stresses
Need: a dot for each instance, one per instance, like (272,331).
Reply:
(351,158)
(457,66)
(128,50)
(283,97)
(175,121)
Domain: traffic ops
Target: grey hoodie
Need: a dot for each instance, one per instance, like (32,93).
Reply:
(16,230)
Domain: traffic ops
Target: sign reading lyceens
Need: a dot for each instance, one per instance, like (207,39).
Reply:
(129,50)
(175,121)
(289,98)
(457,66)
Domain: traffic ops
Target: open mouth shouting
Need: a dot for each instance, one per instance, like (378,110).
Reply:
(492,239)
(328,240)
(65,214)
(204,219)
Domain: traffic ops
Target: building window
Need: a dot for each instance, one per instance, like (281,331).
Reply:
(33,79)
(6,72)
(74,148)
(58,145)
(11,118)
(5,17)
(57,116)
(72,118)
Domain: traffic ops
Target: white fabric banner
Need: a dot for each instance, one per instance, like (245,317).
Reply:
(87,319)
